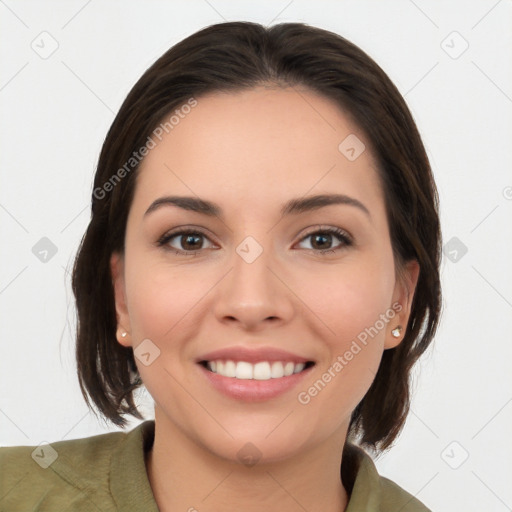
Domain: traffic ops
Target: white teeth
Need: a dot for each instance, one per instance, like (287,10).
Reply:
(288,369)
(243,370)
(299,367)
(229,369)
(277,370)
(263,370)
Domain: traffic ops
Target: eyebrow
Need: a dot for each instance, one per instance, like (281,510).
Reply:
(293,206)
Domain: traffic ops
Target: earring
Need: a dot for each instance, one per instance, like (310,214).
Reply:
(123,334)
(397,331)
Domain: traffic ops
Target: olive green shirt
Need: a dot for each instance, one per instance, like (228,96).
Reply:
(107,473)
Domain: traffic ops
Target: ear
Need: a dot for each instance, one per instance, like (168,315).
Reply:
(118,283)
(403,295)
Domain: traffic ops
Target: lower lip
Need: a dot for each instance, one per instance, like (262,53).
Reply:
(252,390)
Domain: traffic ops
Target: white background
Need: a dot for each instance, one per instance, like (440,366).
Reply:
(55,114)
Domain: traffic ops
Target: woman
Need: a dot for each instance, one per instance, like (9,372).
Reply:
(263,255)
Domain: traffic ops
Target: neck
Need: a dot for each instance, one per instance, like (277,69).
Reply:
(186,476)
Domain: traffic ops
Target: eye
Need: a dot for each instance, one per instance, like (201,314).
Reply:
(322,238)
(189,241)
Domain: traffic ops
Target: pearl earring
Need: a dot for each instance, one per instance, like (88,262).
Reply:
(123,334)
(397,331)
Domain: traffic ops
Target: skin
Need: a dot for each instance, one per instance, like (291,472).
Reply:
(250,152)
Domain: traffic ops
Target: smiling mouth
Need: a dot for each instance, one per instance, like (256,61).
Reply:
(263,370)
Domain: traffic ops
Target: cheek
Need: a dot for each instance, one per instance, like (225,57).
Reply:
(354,307)
(160,299)
(164,305)
(355,298)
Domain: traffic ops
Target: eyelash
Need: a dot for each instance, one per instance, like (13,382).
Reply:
(341,234)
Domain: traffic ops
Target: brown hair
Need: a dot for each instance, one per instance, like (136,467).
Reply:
(231,57)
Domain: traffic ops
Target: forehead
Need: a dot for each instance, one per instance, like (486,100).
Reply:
(260,143)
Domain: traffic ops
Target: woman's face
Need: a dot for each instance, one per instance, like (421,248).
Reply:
(249,283)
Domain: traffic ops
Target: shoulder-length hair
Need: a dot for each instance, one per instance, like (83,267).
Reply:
(231,57)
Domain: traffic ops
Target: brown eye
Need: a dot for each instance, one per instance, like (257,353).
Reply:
(322,240)
(185,242)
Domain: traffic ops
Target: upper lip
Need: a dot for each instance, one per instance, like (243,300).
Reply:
(252,355)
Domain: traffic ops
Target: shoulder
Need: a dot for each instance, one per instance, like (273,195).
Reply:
(394,497)
(73,472)
(371,491)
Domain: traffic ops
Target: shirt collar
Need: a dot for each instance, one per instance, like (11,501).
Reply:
(129,482)
(364,482)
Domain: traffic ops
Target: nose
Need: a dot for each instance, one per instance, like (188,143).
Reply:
(254,292)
